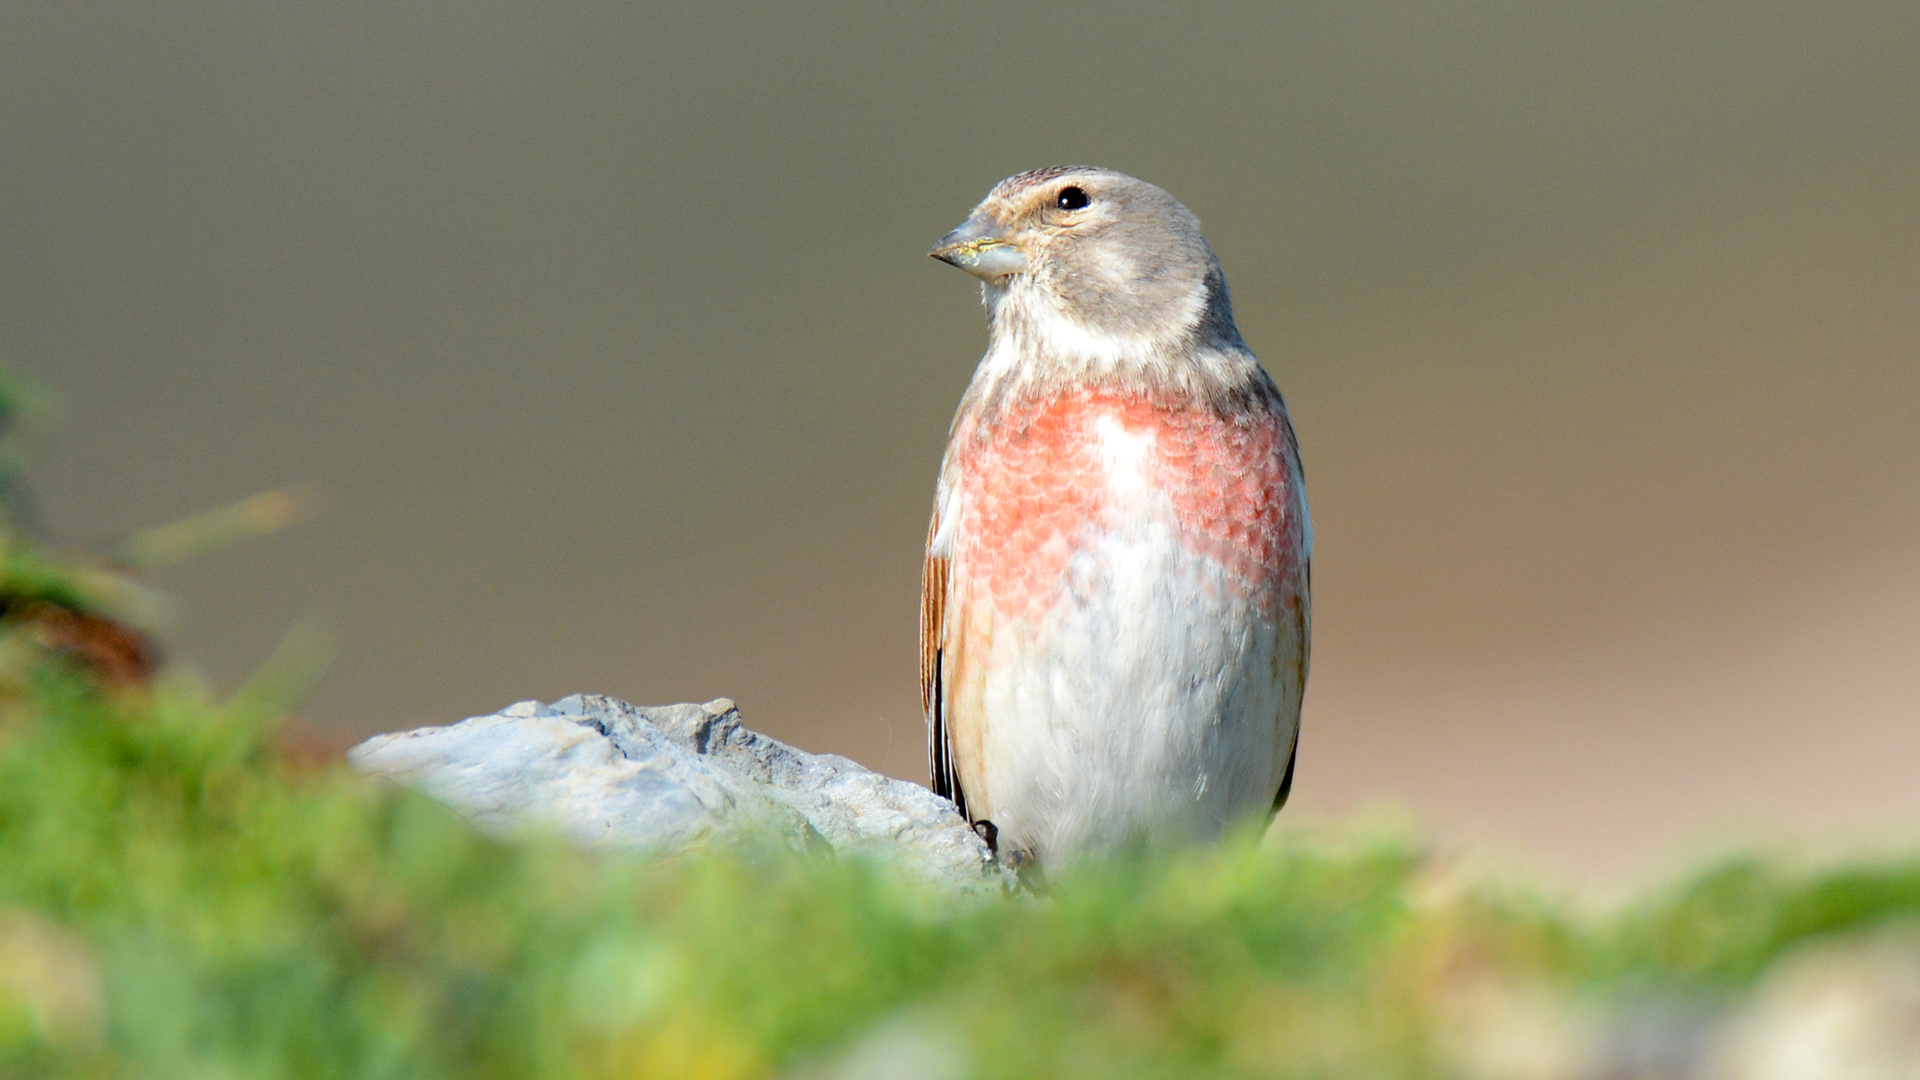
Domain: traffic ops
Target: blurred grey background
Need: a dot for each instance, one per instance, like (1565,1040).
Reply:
(607,334)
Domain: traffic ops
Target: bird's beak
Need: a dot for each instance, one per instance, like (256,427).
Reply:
(981,248)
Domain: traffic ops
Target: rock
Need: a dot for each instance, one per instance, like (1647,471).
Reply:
(1843,1010)
(916,1046)
(675,777)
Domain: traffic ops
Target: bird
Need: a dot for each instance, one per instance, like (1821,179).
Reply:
(1115,607)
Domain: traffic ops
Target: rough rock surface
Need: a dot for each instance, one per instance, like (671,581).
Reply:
(673,777)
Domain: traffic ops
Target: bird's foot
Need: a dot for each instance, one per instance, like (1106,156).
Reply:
(989,833)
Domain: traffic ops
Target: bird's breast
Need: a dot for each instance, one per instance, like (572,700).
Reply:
(1055,477)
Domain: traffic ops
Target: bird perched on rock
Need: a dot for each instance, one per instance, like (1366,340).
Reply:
(1114,618)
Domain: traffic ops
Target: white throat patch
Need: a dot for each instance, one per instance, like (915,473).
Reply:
(1053,332)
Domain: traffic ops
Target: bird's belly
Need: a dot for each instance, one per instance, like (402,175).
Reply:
(1147,701)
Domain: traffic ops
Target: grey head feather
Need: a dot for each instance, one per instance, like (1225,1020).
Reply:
(1132,262)
(1114,284)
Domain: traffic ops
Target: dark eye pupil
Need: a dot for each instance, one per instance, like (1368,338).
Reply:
(1072,198)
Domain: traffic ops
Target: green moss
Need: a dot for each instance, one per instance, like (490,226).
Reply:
(246,919)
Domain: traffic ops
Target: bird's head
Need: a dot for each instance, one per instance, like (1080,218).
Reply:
(1086,251)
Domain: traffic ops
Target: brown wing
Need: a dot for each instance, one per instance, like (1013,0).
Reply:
(944,777)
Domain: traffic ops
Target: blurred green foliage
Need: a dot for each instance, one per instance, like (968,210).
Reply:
(182,895)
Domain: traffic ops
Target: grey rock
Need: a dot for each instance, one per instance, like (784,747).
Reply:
(675,777)
(918,1047)
(1832,1010)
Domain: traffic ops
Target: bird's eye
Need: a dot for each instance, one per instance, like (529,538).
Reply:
(1072,198)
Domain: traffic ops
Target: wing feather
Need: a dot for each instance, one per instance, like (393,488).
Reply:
(944,776)
(1304,627)
(1303,611)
